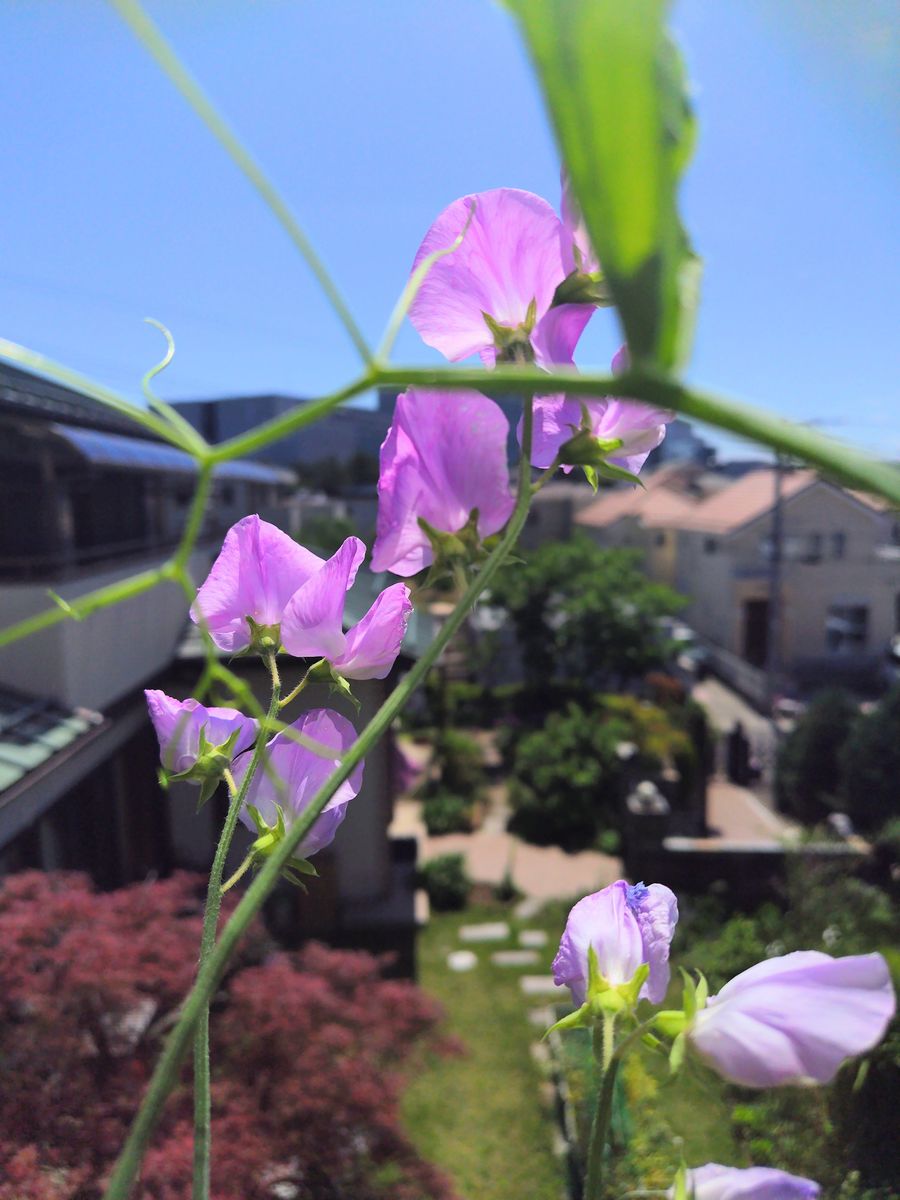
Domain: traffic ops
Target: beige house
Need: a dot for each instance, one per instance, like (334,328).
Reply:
(712,539)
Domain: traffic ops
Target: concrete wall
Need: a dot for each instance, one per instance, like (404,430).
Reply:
(94,662)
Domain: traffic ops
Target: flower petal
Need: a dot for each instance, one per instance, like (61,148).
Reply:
(294,774)
(796,1018)
(312,625)
(510,256)
(445,455)
(605,921)
(716,1182)
(257,571)
(374,643)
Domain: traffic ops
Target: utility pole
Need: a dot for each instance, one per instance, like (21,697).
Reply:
(776,553)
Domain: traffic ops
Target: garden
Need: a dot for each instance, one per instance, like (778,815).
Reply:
(157,1042)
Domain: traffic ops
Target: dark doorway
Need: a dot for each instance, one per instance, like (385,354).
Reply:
(756,632)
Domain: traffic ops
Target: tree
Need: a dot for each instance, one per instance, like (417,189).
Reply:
(870,765)
(585,613)
(807,781)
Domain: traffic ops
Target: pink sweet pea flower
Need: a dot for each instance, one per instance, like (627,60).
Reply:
(510,261)
(444,456)
(715,1182)
(795,1019)
(291,776)
(258,570)
(627,927)
(181,725)
(640,427)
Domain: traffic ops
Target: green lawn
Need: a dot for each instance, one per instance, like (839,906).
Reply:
(479,1116)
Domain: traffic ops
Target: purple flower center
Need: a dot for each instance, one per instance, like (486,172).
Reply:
(635,894)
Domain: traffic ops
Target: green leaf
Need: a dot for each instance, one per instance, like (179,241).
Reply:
(676,1054)
(615,87)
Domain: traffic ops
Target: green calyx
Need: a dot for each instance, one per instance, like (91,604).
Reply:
(604,999)
(454,553)
(264,639)
(580,287)
(211,764)
(513,342)
(592,454)
(324,672)
(675,1023)
(269,838)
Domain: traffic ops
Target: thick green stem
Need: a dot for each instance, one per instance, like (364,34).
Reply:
(202,1108)
(608,1064)
(166,1072)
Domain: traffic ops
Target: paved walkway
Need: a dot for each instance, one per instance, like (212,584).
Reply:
(726,707)
(540,872)
(739,815)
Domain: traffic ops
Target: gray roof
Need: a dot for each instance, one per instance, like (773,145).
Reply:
(21,392)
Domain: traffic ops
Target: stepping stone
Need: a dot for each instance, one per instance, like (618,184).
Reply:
(528,909)
(462,960)
(541,1018)
(540,1054)
(514,958)
(490,931)
(533,937)
(539,985)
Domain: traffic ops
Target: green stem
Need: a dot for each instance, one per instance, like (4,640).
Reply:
(166,1072)
(13,352)
(836,459)
(202,1106)
(154,42)
(608,1063)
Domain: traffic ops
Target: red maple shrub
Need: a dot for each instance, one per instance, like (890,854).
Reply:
(308,1053)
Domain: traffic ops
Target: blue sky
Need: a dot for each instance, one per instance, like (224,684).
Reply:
(371,118)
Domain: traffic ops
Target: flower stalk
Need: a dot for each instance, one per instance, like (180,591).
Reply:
(214,892)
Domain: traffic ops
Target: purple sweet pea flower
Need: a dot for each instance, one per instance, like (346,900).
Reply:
(640,427)
(444,455)
(180,723)
(715,1182)
(312,622)
(258,570)
(627,926)
(371,646)
(795,1019)
(292,775)
(510,260)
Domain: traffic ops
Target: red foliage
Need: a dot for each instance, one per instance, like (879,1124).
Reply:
(307,1054)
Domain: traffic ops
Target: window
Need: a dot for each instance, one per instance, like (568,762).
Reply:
(710,545)
(838,544)
(660,539)
(846,628)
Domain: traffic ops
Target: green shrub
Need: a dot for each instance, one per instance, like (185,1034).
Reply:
(446,881)
(870,762)
(566,780)
(808,771)
(460,762)
(445,812)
